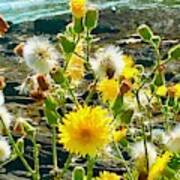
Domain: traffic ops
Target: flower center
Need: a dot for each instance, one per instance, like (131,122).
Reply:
(85,135)
(42,54)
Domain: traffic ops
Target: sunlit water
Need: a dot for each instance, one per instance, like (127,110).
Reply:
(18,11)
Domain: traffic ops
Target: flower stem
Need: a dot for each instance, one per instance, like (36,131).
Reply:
(90,165)
(123,161)
(54,149)
(144,133)
(145,147)
(72,94)
(66,165)
(36,175)
(18,152)
(87,45)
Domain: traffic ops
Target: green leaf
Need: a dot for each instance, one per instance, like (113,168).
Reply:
(145,32)
(91,18)
(51,116)
(169,173)
(78,173)
(175,162)
(124,142)
(118,105)
(126,115)
(174,53)
(68,46)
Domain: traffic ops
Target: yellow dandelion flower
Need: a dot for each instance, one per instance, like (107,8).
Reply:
(75,69)
(108,176)
(86,131)
(159,166)
(161,90)
(78,8)
(129,70)
(118,135)
(177,90)
(128,60)
(109,89)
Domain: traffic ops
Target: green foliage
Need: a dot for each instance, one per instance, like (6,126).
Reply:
(174,53)
(175,162)
(145,32)
(67,45)
(121,111)
(125,115)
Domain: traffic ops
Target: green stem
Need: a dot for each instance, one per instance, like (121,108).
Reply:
(123,161)
(54,149)
(87,46)
(66,166)
(145,147)
(150,120)
(18,152)
(90,165)
(144,133)
(7,162)
(72,93)
(89,96)
(36,175)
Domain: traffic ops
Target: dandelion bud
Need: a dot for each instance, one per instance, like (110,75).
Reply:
(57,75)
(78,25)
(91,18)
(19,49)
(2,82)
(159,79)
(171,91)
(3,26)
(42,82)
(78,8)
(78,173)
(174,91)
(37,95)
(125,87)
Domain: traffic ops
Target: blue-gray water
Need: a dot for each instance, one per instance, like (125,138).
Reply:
(18,11)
